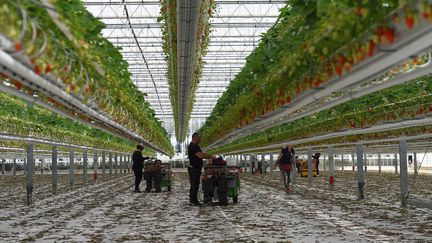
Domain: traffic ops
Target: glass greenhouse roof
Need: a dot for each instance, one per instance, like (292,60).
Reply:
(236,30)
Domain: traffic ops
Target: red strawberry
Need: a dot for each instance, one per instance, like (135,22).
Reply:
(17,84)
(37,69)
(380,32)
(288,99)
(18,46)
(50,100)
(117,119)
(409,21)
(338,70)
(48,68)
(371,48)
(341,59)
(317,83)
(389,34)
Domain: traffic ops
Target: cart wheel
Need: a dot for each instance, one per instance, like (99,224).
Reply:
(235,199)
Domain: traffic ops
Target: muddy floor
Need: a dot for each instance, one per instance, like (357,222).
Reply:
(108,211)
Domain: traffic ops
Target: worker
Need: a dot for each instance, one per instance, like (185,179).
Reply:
(196,157)
(316,157)
(285,161)
(138,165)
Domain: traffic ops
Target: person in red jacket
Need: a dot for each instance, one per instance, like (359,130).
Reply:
(285,162)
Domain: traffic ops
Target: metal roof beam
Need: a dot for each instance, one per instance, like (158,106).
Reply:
(157,3)
(213,17)
(214,25)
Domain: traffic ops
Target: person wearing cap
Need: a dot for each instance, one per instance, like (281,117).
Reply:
(196,157)
(138,165)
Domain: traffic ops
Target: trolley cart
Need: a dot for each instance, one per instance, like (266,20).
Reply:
(221,181)
(166,176)
(157,175)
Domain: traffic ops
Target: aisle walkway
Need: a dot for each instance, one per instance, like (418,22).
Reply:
(109,212)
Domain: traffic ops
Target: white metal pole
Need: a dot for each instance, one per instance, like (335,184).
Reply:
(403,171)
(71,167)
(342,162)
(110,163)
(379,162)
(14,166)
(103,163)
(331,164)
(30,172)
(360,173)
(54,174)
(95,164)
(396,164)
(85,166)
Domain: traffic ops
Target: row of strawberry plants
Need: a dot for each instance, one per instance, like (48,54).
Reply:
(21,119)
(367,137)
(71,63)
(312,43)
(169,35)
(403,102)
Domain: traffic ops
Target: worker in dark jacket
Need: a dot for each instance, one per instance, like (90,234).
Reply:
(196,157)
(138,165)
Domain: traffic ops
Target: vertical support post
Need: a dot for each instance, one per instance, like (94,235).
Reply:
(365,163)
(309,153)
(95,164)
(25,167)
(379,162)
(415,164)
(403,171)
(85,166)
(342,162)
(42,165)
(324,163)
(271,163)
(294,171)
(360,173)
(331,165)
(54,175)
(353,162)
(115,163)
(129,163)
(71,167)
(110,163)
(395,164)
(3,166)
(103,163)
(30,172)
(121,164)
(14,166)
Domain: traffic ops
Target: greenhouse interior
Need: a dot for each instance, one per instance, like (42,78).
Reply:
(216,121)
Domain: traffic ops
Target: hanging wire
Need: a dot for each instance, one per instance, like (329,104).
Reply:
(142,54)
